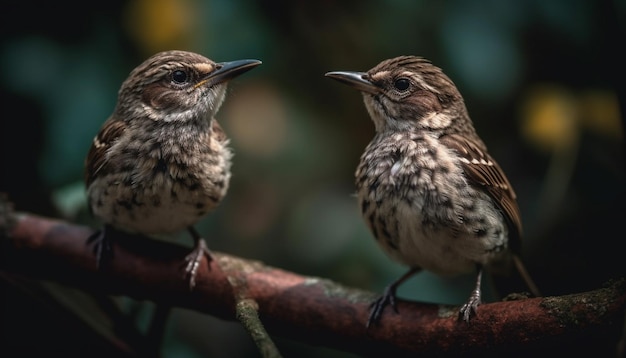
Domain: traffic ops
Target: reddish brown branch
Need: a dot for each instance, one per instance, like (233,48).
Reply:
(310,309)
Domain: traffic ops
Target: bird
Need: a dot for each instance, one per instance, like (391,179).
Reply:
(428,189)
(161,161)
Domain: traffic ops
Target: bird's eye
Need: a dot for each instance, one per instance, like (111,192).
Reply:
(179,77)
(402,84)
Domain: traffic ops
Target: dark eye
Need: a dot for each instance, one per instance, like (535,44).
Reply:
(402,84)
(179,77)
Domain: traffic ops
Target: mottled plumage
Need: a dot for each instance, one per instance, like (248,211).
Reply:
(161,161)
(428,190)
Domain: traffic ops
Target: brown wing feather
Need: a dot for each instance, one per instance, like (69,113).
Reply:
(96,158)
(483,171)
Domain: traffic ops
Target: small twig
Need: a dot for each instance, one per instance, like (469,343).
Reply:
(247,313)
(246,308)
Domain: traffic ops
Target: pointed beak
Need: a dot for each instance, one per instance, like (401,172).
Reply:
(227,71)
(357,80)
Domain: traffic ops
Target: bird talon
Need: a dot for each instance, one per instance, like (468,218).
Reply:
(102,247)
(378,306)
(469,309)
(193,260)
(388,298)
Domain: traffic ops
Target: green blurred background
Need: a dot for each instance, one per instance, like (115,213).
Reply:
(543,82)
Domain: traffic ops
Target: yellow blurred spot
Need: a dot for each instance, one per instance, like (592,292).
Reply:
(599,112)
(549,118)
(255,118)
(159,25)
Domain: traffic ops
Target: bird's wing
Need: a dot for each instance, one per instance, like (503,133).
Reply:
(96,161)
(484,172)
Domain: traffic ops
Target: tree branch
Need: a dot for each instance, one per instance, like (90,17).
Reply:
(310,309)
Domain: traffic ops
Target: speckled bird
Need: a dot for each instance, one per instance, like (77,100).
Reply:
(427,187)
(161,161)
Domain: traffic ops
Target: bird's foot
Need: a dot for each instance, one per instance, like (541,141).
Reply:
(378,306)
(468,310)
(102,246)
(194,259)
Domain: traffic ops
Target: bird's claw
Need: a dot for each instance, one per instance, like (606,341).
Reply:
(388,298)
(194,259)
(102,247)
(468,310)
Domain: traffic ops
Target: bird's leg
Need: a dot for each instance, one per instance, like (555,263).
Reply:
(388,298)
(195,256)
(102,248)
(469,308)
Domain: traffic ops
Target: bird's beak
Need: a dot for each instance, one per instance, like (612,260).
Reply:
(228,70)
(355,79)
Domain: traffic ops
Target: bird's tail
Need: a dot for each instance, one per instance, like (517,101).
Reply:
(521,269)
(510,275)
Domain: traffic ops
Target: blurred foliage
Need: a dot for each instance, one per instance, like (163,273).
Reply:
(543,81)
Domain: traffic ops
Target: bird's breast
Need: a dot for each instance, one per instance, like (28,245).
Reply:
(416,201)
(163,185)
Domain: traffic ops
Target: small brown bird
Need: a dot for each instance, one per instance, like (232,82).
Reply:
(428,189)
(161,161)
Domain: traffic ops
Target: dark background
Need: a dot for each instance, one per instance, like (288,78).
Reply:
(543,82)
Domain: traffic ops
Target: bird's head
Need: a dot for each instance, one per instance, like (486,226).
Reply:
(406,93)
(178,86)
